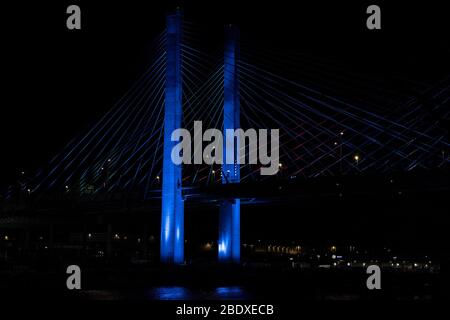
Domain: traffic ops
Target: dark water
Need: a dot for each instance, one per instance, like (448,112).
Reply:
(272,284)
(165,293)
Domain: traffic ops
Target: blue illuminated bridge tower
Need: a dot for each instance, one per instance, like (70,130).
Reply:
(229,219)
(172,215)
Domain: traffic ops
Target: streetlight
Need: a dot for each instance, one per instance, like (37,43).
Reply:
(213,178)
(356,158)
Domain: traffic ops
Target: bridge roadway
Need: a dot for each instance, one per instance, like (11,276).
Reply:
(433,185)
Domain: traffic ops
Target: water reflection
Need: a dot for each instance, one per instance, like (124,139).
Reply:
(234,293)
(184,293)
(170,293)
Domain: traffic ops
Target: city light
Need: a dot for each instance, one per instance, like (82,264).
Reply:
(356,157)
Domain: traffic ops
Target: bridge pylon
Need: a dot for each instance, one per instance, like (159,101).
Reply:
(172,212)
(229,243)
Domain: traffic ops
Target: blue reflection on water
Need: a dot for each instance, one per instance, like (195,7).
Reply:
(184,293)
(170,293)
(234,293)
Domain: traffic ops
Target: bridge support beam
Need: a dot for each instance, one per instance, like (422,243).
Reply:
(172,212)
(230,211)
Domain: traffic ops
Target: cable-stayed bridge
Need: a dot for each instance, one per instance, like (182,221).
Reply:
(333,122)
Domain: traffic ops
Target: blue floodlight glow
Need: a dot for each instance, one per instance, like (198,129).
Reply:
(230,210)
(229,231)
(172,212)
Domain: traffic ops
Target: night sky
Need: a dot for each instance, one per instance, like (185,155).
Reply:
(57,82)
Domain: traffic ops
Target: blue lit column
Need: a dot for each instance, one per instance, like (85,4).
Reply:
(229,221)
(172,213)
